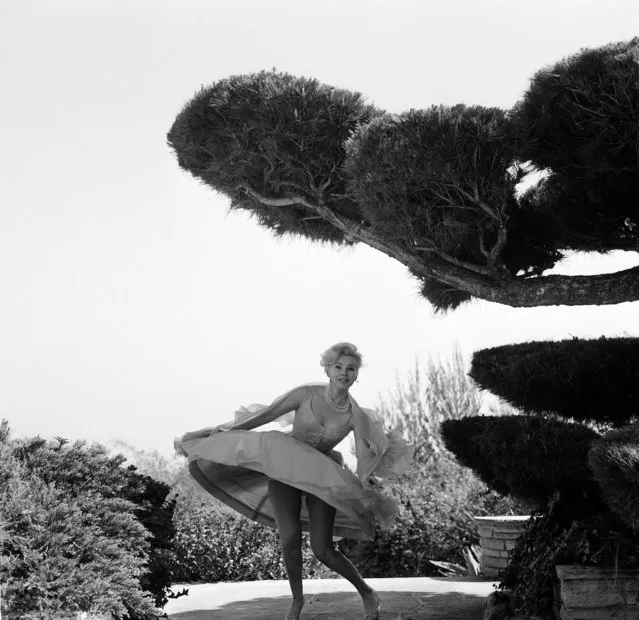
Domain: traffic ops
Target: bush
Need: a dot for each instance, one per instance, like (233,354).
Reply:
(155,513)
(213,545)
(588,380)
(78,470)
(555,536)
(437,506)
(67,552)
(614,460)
(529,457)
(433,392)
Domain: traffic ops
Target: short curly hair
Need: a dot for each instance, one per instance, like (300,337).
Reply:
(341,348)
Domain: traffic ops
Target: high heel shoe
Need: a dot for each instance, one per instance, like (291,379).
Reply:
(372,609)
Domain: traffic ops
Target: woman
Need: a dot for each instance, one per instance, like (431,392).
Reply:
(265,475)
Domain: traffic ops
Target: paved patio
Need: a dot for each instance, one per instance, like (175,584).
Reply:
(416,598)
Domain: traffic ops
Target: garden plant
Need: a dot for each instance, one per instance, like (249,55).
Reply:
(440,190)
(81,532)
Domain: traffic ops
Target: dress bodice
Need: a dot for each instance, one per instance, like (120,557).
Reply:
(324,438)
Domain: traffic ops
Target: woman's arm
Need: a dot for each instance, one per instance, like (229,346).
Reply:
(284,404)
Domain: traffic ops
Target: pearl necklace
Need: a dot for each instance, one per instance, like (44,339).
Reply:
(337,408)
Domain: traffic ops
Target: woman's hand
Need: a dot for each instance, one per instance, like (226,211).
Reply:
(201,434)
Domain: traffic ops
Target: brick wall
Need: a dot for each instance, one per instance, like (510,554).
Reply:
(497,536)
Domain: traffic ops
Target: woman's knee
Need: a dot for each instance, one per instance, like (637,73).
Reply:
(290,539)
(322,551)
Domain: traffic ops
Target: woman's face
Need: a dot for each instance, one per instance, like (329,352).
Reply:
(343,372)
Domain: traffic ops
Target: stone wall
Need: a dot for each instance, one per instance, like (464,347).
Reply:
(497,536)
(592,593)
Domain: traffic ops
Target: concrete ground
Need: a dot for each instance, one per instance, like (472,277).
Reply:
(416,598)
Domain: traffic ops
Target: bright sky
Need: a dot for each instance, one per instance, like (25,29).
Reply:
(133,306)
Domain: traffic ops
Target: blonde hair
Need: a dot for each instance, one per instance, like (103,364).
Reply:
(337,350)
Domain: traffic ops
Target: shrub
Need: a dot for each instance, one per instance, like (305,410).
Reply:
(214,545)
(614,460)
(78,469)
(529,457)
(588,380)
(437,505)
(547,459)
(554,537)
(67,552)
(155,513)
(433,392)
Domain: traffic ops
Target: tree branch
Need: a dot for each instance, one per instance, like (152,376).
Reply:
(482,244)
(553,290)
(276,202)
(454,261)
(476,200)
(495,251)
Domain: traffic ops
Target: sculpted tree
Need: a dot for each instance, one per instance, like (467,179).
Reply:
(572,453)
(436,189)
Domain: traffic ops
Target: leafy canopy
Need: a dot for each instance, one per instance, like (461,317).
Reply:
(528,457)
(588,380)
(437,189)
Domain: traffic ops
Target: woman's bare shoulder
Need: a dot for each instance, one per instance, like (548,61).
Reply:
(308,389)
(300,393)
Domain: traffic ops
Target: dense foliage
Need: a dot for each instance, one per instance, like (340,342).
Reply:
(82,533)
(529,457)
(558,535)
(213,545)
(274,134)
(432,392)
(417,176)
(438,189)
(588,380)
(437,504)
(582,478)
(78,469)
(578,119)
(614,461)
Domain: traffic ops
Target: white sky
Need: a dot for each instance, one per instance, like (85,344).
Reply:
(133,306)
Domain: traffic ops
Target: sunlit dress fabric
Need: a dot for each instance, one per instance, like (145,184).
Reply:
(235,465)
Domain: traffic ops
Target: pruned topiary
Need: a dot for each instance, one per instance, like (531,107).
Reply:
(578,118)
(438,189)
(556,536)
(529,457)
(277,135)
(614,460)
(588,380)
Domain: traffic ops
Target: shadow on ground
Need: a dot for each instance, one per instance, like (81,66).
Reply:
(396,605)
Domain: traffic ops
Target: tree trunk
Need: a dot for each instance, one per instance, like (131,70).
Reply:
(553,290)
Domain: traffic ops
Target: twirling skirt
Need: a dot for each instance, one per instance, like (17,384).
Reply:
(235,467)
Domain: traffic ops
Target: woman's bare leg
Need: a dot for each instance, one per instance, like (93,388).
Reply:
(322,518)
(287,503)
